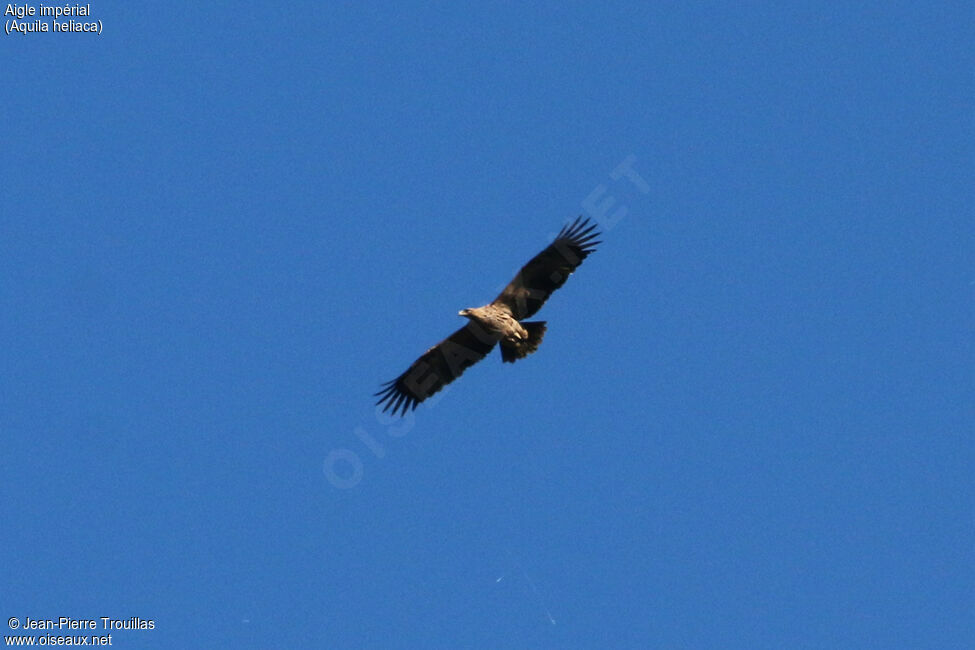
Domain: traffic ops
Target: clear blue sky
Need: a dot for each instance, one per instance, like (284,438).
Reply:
(749,425)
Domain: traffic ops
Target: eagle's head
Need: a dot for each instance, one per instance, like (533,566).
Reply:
(464,312)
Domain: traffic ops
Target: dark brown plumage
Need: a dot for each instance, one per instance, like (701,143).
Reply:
(497,322)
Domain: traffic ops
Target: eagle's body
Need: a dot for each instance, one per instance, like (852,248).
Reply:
(517,340)
(499,322)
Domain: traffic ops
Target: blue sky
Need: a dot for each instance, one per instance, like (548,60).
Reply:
(750,422)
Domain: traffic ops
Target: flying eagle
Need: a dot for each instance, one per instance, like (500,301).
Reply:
(502,322)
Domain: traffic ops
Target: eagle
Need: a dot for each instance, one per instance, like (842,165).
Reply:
(500,322)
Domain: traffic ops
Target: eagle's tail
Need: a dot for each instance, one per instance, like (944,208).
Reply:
(512,352)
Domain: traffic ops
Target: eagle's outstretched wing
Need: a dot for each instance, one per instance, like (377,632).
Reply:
(436,368)
(549,270)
